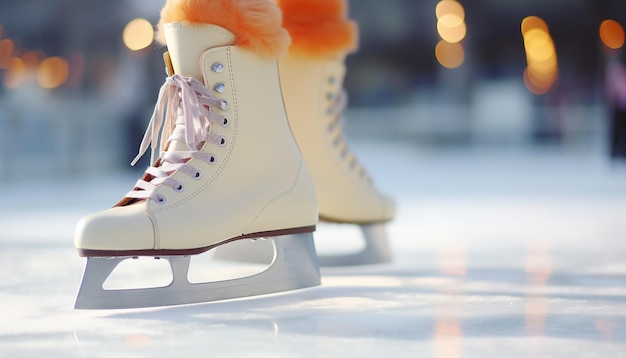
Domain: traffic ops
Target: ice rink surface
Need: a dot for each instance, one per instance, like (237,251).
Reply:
(498,252)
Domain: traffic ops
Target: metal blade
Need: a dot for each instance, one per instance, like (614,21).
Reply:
(376,250)
(294,266)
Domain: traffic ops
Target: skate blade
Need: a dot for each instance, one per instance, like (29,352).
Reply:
(294,265)
(376,250)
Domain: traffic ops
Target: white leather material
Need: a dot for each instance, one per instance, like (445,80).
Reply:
(345,193)
(112,229)
(258,183)
(186,43)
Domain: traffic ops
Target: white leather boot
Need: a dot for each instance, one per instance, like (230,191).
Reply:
(315,101)
(311,78)
(230,169)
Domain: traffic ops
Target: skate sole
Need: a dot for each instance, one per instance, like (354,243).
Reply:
(194,251)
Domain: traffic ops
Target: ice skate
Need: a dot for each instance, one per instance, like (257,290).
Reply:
(229,169)
(311,78)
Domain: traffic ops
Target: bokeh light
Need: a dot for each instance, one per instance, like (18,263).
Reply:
(542,71)
(612,34)
(452,30)
(533,22)
(450,7)
(52,72)
(31,60)
(138,34)
(6,51)
(452,34)
(15,73)
(449,55)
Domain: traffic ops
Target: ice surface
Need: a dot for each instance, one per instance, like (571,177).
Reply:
(498,253)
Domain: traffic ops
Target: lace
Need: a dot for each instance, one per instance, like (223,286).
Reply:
(336,111)
(189,101)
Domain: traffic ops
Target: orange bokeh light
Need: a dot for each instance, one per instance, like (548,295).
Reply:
(533,22)
(31,60)
(612,34)
(52,72)
(542,71)
(449,55)
(6,51)
(539,83)
(15,73)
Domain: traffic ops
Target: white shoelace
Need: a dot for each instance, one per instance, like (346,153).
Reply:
(336,112)
(188,101)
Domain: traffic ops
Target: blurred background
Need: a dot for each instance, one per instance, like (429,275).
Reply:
(79,79)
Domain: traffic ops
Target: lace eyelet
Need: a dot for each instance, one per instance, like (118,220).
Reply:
(212,159)
(222,141)
(332,80)
(217,67)
(219,87)
(225,122)
(330,96)
(179,188)
(160,200)
(197,175)
(223,104)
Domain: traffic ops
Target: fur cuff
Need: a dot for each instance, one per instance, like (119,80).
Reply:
(255,23)
(319,28)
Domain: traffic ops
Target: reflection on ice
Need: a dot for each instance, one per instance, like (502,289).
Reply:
(524,266)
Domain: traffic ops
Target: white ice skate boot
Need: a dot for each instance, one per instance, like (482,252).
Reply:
(315,101)
(311,80)
(229,170)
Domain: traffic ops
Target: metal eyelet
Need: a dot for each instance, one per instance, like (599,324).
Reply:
(197,175)
(330,96)
(223,104)
(332,80)
(217,67)
(161,199)
(179,188)
(222,141)
(225,122)
(212,159)
(219,87)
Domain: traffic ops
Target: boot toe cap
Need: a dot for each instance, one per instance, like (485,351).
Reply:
(115,229)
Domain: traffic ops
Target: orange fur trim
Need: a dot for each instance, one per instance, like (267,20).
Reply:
(319,28)
(255,23)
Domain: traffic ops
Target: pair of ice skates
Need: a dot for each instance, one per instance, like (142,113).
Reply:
(250,147)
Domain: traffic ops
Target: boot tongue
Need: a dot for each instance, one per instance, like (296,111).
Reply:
(186,43)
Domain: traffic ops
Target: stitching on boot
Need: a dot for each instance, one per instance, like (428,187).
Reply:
(277,197)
